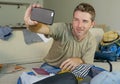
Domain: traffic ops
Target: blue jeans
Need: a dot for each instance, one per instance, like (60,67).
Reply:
(49,68)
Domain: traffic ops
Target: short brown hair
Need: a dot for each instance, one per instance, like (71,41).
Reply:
(85,7)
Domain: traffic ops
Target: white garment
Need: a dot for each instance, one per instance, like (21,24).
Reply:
(42,36)
(30,79)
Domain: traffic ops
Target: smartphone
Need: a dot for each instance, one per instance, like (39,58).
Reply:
(43,15)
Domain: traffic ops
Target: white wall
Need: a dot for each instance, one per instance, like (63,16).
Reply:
(11,14)
(63,9)
(107,10)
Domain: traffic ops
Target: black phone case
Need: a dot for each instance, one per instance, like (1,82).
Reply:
(43,15)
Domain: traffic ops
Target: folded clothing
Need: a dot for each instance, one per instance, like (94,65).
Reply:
(31,37)
(82,70)
(5,33)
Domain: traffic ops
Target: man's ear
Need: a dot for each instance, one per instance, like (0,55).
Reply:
(93,24)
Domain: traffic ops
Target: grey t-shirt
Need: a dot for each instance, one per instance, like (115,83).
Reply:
(66,46)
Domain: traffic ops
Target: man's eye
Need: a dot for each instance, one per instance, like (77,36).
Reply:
(85,21)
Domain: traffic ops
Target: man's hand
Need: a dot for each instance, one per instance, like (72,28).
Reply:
(27,15)
(70,64)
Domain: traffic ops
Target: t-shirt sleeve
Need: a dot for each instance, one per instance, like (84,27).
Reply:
(56,30)
(88,56)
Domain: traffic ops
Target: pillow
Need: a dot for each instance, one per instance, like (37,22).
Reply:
(98,33)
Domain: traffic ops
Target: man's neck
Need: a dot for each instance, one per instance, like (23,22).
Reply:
(81,37)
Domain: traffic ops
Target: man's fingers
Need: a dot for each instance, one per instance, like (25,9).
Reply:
(65,62)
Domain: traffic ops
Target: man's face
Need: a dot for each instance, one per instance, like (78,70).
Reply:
(81,23)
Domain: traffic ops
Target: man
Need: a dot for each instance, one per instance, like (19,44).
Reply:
(73,43)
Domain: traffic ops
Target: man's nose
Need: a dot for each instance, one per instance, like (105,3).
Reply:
(80,24)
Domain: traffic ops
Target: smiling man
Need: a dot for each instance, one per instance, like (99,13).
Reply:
(73,43)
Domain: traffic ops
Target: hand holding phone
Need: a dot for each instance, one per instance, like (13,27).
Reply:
(43,15)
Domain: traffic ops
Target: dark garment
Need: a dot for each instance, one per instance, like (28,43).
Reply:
(64,78)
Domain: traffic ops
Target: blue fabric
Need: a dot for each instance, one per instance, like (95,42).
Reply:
(5,33)
(19,79)
(94,70)
(106,78)
(106,56)
(108,52)
(118,52)
(49,68)
(108,48)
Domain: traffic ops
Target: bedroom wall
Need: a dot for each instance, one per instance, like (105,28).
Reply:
(12,14)
(107,10)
